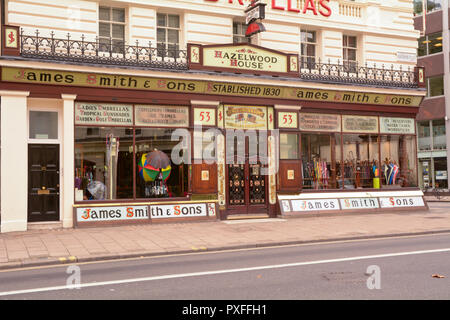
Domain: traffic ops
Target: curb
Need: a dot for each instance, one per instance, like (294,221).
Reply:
(64,261)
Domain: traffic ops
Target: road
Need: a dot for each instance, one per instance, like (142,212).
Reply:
(395,268)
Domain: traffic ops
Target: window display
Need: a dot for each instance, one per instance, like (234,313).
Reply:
(319,154)
(103,163)
(158,175)
(361,161)
(398,156)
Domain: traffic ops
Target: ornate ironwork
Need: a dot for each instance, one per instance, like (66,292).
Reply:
(105,52)
(351,72)
(112,52)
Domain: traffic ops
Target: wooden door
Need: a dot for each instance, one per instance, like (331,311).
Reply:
(43,182)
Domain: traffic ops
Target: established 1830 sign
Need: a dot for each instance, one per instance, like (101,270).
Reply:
(242,58)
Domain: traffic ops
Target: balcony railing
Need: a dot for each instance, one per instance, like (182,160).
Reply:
(110,52)
(107,52)
(351,72)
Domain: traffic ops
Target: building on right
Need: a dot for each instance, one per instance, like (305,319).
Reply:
(432,19)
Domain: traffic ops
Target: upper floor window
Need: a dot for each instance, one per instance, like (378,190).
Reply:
(435,86)
(308,41)
(111,29)
(349,48)
(168,34)
(239,29)
(431,5)
(430,44)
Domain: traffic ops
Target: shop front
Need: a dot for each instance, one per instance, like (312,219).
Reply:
(148,147)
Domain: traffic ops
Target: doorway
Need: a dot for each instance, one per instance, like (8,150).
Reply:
(43,182)
(246,184)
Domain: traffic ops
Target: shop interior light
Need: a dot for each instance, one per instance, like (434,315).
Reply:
(438,45)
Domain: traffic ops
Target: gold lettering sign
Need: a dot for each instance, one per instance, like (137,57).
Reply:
(162,116)
(103,114)
(364,124)
(244,57)
(320,122)
(96,80)
(245,117)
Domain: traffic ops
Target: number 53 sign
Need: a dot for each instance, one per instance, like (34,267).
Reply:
(205,117)
(287,120)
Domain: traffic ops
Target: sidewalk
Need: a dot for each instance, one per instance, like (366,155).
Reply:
(45,247)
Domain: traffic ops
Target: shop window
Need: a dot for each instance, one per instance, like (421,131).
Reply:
(321,155)
(439,141)
(424,135)
(440,173)
(349,49)
(158,175)
(361,168)
(239,29)
(289,146)
(398,157)
(308,48)
(103,164)
(430,44)
(111,29)
(435,86)
(168,35)
(431,5)
(43,125)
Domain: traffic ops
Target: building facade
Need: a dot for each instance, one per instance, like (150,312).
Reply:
(146,112)
(432,120)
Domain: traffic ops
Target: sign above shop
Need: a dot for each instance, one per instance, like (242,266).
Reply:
(245,117)
(242,58)
(103,114)
(162,116)
(360,124)
(107,81)
(397,125)
(320,122)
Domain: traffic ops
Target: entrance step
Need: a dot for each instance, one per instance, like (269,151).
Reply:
(247,216)
(45,225)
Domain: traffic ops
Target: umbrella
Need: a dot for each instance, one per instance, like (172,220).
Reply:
(146,171)
(154,162)
(97,189)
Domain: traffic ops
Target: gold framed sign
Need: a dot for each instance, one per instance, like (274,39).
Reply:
(161,116)
(103,114)
(320,122)
(245,117)
(204,116)
(288,120)
(363,124)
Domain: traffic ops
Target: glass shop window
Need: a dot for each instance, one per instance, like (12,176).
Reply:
(398,158)
(103,164)
(424,135)
(439,137)
(361,168)
(289,146)
(158,174)
(320,155)
(43,125)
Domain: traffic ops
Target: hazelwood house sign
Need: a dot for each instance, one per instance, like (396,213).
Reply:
(242,58)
